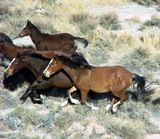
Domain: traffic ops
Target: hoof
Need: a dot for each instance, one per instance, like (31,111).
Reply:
(75,101)
(64,103)
(94,108)
(114,110)
(21,100)
(108,108)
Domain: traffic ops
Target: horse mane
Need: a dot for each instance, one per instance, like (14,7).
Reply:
(33,26)
(31,54)
(76,60)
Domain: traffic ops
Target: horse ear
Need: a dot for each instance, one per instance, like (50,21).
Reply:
(29,22)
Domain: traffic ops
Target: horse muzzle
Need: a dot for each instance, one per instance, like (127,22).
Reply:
(46,74)
(6,75)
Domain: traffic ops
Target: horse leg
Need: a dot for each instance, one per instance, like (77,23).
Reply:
(27,92)
(71,90)
(25,95)
(122,97)
(35,100)
(35,97)
(84,96)
(109,106)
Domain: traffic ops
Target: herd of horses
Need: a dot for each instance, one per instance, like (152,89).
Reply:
(56,64)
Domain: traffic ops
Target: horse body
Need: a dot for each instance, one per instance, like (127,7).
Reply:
(61,41)
(110,80)
(99,79)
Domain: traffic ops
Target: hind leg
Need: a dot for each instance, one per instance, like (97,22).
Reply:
(122,96)
(109,106)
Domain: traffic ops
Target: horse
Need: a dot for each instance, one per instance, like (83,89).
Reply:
(10,50)
(43,41)
(98,79)
(5,38)
(36,65)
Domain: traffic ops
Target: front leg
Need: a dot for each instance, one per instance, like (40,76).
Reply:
(84,96)
(27,92)
(71,90)
(25,95)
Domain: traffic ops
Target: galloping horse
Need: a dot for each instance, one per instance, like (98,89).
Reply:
(99,79)
(61,41)
(9,51)
(36,66)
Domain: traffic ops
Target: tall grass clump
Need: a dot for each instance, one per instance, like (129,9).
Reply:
(110,21)
(146,2)
(153,22)
(85,23)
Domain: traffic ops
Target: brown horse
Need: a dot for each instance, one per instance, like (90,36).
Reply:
(10,50)
(5,38)
(37,66)
(61,41)
(99,79)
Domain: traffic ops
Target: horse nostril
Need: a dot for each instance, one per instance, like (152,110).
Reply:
(6,75)
(47,74)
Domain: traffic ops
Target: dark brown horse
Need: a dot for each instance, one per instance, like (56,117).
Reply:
(5,38)
(62,41)
(99,79)
(37,66)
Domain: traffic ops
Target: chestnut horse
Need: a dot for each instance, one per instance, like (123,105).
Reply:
(36,66)
(61,41)
(5,38)
(99,79)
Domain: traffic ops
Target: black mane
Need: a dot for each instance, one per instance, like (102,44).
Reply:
(75,61)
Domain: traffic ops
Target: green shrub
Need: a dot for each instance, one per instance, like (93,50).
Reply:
(110,21)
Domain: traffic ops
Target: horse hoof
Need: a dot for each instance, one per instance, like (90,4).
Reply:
(108,108)
(64,103)
(75,101)
(114,110)
(94,108)
(21,100)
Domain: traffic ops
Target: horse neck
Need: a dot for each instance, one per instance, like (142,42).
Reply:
(9,51)
(36,35)
(73,73)
(33,67)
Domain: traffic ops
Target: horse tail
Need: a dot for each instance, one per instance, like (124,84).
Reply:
(81,40)
(140,83)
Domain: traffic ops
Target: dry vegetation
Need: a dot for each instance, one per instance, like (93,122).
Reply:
(110,44)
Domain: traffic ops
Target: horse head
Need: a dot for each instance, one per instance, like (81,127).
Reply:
(26,29)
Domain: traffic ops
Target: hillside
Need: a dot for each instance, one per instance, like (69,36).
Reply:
(120,32)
